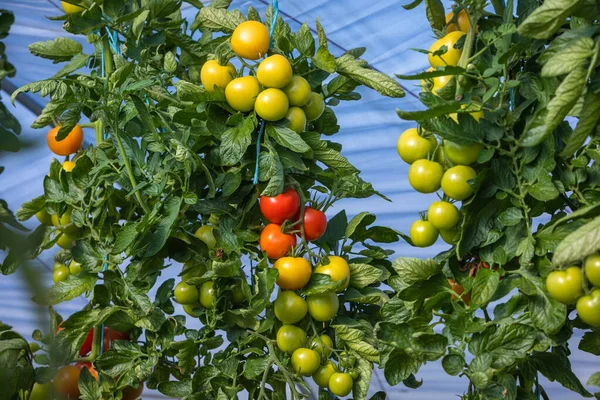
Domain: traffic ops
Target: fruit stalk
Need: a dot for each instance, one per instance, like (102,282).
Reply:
(464,58)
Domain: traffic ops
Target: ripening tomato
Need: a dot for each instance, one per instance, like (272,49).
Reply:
(297,119)
(462,154)
(412,147)
(44,217)
(90,368)
(64,222)
(241,93)
(290,338)
(116,335)
(133,393)
(449,235)
(305,361)
(323,307)
(294,272)
(42,391)
(276,243)
(274,72)
(205,233)
(475,113)
(588,308)
(425,176)
(322,345)
(214,75)
(460,291)
(337,269)
(68,166)
(66,381)
(61,274)
(315,224)
(186,294)
(452,54)
(277,209)
(69,145)
(340,384)
(271,104)
(250,40)
(66,240)
(565,286)
(323,373)
(315,106)
(71,8)
(239,295)
(298,91)
(74,267)
(289,307)
(592,269)
(455,182)
(86,346)
(434,84)
(443,215)
(192,269)
(462,20)
(423,233)
(208,295)
(193,310)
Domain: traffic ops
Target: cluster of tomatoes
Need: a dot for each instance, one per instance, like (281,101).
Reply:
(569,287)
(444,165)
(272,91)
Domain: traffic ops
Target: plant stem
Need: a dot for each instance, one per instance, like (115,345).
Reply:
(465,57)
(261,394)
(96,343)
(498,7)
(138,195)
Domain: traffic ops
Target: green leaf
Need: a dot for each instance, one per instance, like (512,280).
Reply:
(413,270)
(435,14)
(453,364)
(547,18)
(511,216)
(235,141)
(254,367)
(336,227)
(30,208)
(323,151)
(547,314)
(359,222)
(484,286)
(353,68)
(321,283)
(446,127)
(399,366)
(79,61)
(324,60)
(217,20)
(287,138)
(590,343)
(73,287)
(594,379)
(362,275)
(570,57)
(588,118)
(170,210)
(579,244)
(367,295)
(543,189)
(361,384)
(59,49)
(556,367)
(506,343)
(304,41)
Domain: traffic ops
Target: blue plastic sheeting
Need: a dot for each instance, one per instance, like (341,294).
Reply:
(369,131)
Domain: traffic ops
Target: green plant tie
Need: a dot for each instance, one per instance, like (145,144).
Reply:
(275,4)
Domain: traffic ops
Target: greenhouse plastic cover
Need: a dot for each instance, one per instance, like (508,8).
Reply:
(369,131)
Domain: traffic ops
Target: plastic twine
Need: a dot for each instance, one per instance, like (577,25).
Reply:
(275,4)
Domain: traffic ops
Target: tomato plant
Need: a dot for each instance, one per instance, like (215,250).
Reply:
(520,156)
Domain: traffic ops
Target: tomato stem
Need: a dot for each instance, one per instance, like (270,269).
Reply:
(95,343)
(466,55)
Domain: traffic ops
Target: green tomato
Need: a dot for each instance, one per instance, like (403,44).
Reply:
(271,104)
(193,310)
(290,338)
(322,345)
(323,373)
(423,233)
(298,91)
(205,233)
(289,307)
(588,308)
(74,267)
(347,360)
(42,391)
(462,154)
(297,119)
(340,384)
(192,269)
(61,274)
(455,182)
(449,235)
(44,217)
(565,286)
(66,240)
(592,269)
(305,361)
(239,295)
(315,106)
(186,294)
(323,307)
(208,297)
(425,176)
(412,147)
(443,215)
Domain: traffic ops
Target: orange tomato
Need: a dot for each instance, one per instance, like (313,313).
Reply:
(250,40)
(294,272)
(69,145)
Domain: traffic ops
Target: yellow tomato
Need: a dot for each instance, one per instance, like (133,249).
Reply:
(274,72)
(298,91)
(241,93)
(452,54)
(71,8)
(271,104)
(315,106)
(68,166)
(44,217)
(250,40)
(434,84)
(337,269)
(462,20)
(297,119)
(412,147)
(214,75)
(476,113)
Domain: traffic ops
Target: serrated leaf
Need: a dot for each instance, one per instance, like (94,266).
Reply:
(570,57)
(588,118)
(579,244)
(287,138)
(362,275)
(484,286)
(547,18)
(73,287)
(413,270)
(59,49)
(217,19)
(353,68)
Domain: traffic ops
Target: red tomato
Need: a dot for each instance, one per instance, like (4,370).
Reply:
(315,224)
(131,393)
(110,335)
(278,208)
(90,368)
(276,243)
